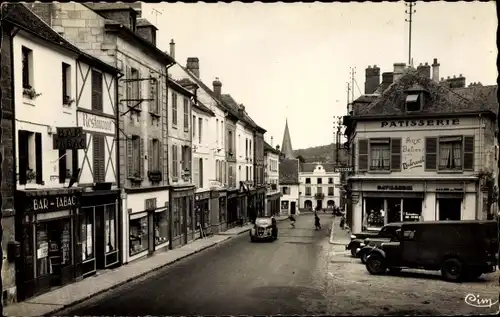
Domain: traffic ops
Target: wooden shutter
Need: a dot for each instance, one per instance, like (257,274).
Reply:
(150,155)
(363,155)
(39,158)
(153,94)
(62,166)
(174,161)
(74,162)
(195,174)
(139,89)
(96,83)
(130,156)
(200,172)
(23,155)
(395,154)
(431,147)
(468,153)
(141,158)
(98,158)
(128,85)
(160,157)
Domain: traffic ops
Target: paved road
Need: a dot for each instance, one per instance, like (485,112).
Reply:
(300,273)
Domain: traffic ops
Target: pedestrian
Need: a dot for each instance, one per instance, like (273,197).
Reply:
(317,224)
(292,220)
(342,222)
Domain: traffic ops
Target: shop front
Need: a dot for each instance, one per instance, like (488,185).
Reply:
(252,211)
(219,210)
(242,206)
(182,215)
(97,229)
(45,228)
(232,208)
(260,201)
(273,204)
(202,215)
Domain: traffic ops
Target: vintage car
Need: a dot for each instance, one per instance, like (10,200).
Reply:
(386,235)
(358,239)
(460,249)
(264,229)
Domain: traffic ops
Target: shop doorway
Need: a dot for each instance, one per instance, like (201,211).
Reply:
(393,210)
(450,208)
(330,204)
(292,208)
(319,204)
(373,216)
(308,205)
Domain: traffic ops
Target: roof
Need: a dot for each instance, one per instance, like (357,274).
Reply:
(20,16)
(309,167)
(289,172)
(180,89)
(269,148)
(440,99)
(230,103)
(200,106)
(143,23)
(286,145)
(109,6)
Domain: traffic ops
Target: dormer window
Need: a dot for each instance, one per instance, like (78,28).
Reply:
(132,23)
(414,101)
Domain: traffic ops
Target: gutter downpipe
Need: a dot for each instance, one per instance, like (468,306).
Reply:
(118,178)
(170,224)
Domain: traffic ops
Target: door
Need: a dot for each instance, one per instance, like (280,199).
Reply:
(319,204)
(450,208)
(292,208)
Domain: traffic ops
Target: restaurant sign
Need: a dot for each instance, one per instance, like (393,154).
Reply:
(94,123)
(69,139)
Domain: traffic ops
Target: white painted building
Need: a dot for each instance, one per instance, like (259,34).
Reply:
(271,179)
(244,153)
(319,186)
(289,186)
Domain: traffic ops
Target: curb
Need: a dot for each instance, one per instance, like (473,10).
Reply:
(128,280)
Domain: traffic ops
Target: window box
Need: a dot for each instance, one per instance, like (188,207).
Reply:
(155,176)
(67,101)
(30,176)
(319,196)
(30,92)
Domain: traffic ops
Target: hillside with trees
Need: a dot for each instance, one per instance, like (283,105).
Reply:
(323,153)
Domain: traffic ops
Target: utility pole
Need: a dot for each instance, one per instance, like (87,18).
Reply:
(410,12)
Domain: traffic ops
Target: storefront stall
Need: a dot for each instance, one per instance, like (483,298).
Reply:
(97,232)
(219,212)
(251,205)
(232,208)
(273,204)
(182,215)
(202,214)
(260,201)
(45,222)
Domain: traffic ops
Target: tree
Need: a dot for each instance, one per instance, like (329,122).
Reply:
(301,159)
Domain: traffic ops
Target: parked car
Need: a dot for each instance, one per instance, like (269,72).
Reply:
(357,239)
(459,249)
(264,228)
(385,235)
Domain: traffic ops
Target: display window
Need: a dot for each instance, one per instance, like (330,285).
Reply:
(53,241)
(374,213)
(87,234)
(189,211)
(222,209)
(160,223)
(110,232)
(42,250)
(138,232)
(206,215)
(197,214)
(412,209)
(176,218)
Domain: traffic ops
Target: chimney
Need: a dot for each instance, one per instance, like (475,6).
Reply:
(435,70)
(277,147)
(272,142)
(424,70)
(460,81)
(172,49)
(387,79)
(398,70)
(193,65)
(372,79)
(217,86)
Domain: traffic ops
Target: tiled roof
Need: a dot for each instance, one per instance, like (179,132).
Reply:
(309,167)
(289,171)
(19,15)
(441,99)
(269,148)
(203,108)
(144,22)
(229,101)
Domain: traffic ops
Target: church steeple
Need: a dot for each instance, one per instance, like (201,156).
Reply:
(286,146)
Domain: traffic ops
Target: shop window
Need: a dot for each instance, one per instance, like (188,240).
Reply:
(42,250)
(374,213)
(197,215)
(222,209)
(138,235)
(176,217)
(30,157)
(412,209)
(111,227)
(450,208)
(87,234)
(393,210)
(330,180)
(330,191)
(308,191)
(53,246)
(380,154)
(160,223)
(187,207)
(206,215)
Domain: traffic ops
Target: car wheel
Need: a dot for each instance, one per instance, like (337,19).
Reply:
(364,257)
(452,270)
(375,264)
(353,251)
(394,270)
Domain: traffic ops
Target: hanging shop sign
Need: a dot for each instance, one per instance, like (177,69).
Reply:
(343,169)
(94,123)
(69,139)
(150,204)
(419,123)
(394,187)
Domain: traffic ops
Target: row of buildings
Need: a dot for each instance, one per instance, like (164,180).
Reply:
(421,148)
(111,149)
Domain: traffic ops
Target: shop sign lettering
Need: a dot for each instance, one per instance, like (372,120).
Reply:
(93,123)
(413,153)
(419,123)
(448,189)
(394,187)
(69,139)
(54,203)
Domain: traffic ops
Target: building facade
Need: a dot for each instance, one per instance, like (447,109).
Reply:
(66,182)
(260,196)
(424,150)
(289,186)
(271,179)
(319,186)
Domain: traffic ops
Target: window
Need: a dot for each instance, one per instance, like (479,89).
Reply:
(135,87)
(96,90)
(154,156)
(319,190)
(409,234)
(250,148)
(135,162)
(66,84)
(308,191)
(217,131)
(450,153)
(87,234)
(380,154)
(174,109)
(175,161)
(246,148)
(285,190)
(186,115)
(138,234)
(320,180)
(110,228)
(230,176)
(27,67)
(160,223)
(98,158)
(230,142)
(200,171)
(330,180)
(413,101)
(330,191)
(30,157)
(154,107)
(186,158)
(308,180)
(200,130)
(194,127)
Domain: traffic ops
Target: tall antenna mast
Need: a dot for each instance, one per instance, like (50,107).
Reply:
(353,72)
(156,13)
(348,91)
(410,11)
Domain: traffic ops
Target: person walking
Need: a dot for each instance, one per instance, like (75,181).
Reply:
(317,223)
(292,220)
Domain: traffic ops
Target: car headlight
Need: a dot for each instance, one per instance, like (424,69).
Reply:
(353,237)
(361,245)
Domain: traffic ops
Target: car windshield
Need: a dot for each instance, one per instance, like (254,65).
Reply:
(263,221)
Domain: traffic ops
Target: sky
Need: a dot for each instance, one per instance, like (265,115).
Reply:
(293,61)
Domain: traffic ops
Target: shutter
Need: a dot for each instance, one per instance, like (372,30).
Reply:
(39,159)
(139,88)
(200,172)
(101,155)
(363,155)
(23,156)
(95,158)
(431,146)
(130,156)
(62,166)
(150,155)
(141,158)
(74,163)
(395,154)
(174,158)
(128,85)
(153,95)
(195,173)
(468,153)
(160,157)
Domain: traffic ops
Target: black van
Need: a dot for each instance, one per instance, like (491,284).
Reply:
(460,249)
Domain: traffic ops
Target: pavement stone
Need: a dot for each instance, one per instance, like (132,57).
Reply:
(337,235)
(76,292)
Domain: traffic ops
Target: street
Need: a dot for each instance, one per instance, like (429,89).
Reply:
(300,273)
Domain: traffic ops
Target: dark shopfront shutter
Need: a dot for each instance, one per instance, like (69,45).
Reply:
(430,154)
(39,159)
(396,154)
(363,155)
(468,153)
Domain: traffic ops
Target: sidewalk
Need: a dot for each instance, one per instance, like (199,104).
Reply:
(56,300)
(337,235)
(240,230)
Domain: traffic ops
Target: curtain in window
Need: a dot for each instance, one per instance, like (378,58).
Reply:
(457,154)
(445,150)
